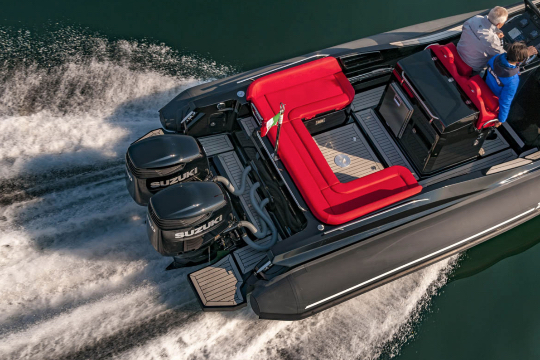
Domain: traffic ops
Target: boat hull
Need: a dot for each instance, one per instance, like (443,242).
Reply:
(347,273)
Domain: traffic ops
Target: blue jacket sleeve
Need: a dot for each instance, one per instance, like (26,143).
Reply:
(507,95)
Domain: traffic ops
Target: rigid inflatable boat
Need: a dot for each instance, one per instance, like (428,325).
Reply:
(385,160)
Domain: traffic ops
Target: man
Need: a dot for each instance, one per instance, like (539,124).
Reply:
(481,38)
(503,76)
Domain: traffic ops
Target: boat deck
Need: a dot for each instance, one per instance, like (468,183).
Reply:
(246,257)
(216,144)
(382,140)
(370,147)
(496,151)
(359,148)
(218,285)
(367,99)
(348,153)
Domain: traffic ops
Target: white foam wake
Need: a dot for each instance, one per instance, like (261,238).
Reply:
(78,278)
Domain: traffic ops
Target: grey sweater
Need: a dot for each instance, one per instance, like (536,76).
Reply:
(479,42)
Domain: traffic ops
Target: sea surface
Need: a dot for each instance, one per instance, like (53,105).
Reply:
(81,80)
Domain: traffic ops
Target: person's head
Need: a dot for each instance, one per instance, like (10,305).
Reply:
(498,16)
(517,53)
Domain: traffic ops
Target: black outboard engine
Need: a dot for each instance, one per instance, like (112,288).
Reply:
(184,220)
(158,160)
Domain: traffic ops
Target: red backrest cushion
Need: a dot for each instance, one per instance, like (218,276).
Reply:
(490,100)
(446,57)
(290,77)
(475,94)
(462,68)
(484,99)
(451,60)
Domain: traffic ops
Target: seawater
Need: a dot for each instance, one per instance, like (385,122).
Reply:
(78,277)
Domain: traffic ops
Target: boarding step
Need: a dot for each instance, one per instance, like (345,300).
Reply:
(367,99)
(216,144)
(218,285)
(482,163)
(383,141)
(348,153)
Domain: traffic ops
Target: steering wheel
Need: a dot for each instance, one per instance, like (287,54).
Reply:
(530,59)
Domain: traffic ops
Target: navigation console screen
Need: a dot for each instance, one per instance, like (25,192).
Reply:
(514,33)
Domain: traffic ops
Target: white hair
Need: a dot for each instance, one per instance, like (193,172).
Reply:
(498,15)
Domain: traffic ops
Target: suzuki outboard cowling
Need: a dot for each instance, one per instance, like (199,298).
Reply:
(158,160)
(184,220)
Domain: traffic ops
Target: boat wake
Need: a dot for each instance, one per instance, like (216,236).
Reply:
(78,278)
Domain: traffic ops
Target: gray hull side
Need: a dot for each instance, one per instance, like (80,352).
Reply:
(344,274)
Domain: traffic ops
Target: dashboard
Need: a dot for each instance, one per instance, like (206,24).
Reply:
(525,27)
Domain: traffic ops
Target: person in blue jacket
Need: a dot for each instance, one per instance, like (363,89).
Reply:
(503,76)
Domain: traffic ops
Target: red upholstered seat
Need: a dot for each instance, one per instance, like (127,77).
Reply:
(477,90)
(484,99)
(308,90)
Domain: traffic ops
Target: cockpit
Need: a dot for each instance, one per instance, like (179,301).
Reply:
(524,119)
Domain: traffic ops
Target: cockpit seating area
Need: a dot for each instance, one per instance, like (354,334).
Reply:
(475,87)
(309,90)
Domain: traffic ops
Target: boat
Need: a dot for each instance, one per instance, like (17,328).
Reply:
(384,159)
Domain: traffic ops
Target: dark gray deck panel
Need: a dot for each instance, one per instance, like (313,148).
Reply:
(216,144)
(234,170)
(493,146)
(219,284)
(249,125)
(248,257)
(367,99)
(386,146)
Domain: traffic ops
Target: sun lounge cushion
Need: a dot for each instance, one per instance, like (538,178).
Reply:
(330,201)
(308,90)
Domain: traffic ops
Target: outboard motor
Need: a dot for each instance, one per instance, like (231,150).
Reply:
(184,220)
(158,160)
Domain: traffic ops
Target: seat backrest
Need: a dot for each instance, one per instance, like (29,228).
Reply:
(446,57)
(284,79)
(462,68)
(475,94)
(484,99)
(449,57)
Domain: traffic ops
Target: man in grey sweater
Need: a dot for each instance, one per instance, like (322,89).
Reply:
(481,38)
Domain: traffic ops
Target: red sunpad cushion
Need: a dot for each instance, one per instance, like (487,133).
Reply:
(308,90)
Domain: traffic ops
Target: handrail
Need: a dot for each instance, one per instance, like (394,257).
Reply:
(487,122)
(281,67)
(277,169)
